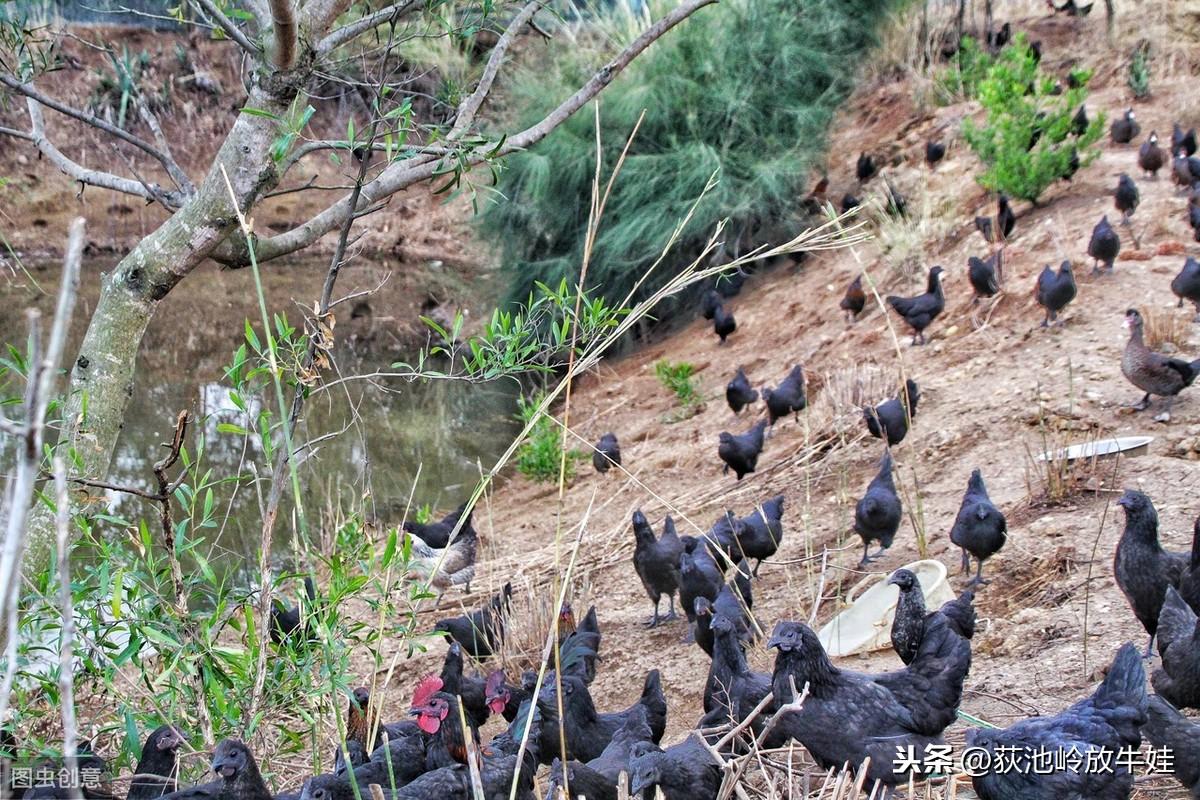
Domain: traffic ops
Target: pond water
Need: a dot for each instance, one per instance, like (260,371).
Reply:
(428,440)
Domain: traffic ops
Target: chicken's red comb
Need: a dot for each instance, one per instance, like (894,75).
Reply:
(494,682)
(427,688)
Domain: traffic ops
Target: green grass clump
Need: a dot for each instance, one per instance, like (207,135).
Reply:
(678,378)
(539,456)
(1022,104)
(745,89)
(1139,73)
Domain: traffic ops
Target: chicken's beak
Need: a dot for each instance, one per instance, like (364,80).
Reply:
(224,767)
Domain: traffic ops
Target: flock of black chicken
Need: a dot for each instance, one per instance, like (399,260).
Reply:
(841,718)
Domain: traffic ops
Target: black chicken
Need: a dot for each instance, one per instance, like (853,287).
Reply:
(588,732)
(761,532)
(1179,647)
(786,398)
(1189,584)
(849,201)
(865,168)
(1186,285)
(855,299)
(238,777)
(607,453)
(984,275)
(1151,157)
(1126,197)
(877,515)
(472,690)
(911,618)
(1055,290)
(702,608)
(1125,128)
(731,685)
(710,302)
(699,576)
(1167,729)
(1094,730)
(396,765)
(739,393)
(1142,568)
(889,420)
(979,529)
(1183,141)
(480,632)
(723,323)
(934,152)
(684,771)
(1104,246)
(437,534)
(656,561)
(598,778)
(158,768)
(287,622)
(923,309)
(740,452)
(850,716)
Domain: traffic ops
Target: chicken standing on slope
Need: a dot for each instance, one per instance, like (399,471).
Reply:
(786,398)
(984,275)
(443,567)
(934,152)
(732,687)
(1055,291)
(607,453)
(855,298)
(761,532)
(877,515)
(1096,730)
(1126,197)
(480,632)
(849,717)
(889,420)
(710,302)
(1153,372)
(437,534)
(911,619)
(1151,157)
(865,168)
(684,771)
(979,529)
(1124,128)
(923,309)
(699,576)
(1167,729)
(1183,141)
(1143,569)
(1179,647)
(1105,246)
(1186,285)
(741,452)
(739,393)
(723,323)
(657,562)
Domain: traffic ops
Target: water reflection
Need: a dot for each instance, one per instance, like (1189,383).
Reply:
(426,440)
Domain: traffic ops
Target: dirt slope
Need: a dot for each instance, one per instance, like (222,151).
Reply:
(985,386)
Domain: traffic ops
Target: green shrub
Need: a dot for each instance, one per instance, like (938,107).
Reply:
(1021,105)
(539,456)
(1139,73)
(678,378)
(746,88)
(960,81)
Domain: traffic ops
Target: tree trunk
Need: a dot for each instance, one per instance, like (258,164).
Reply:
(102,377)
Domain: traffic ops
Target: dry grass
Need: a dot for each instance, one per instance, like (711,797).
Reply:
(1167,326)
(905,241)
(837,407)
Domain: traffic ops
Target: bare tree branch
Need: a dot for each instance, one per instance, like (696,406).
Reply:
(91,177)
(230,28)
(283,23)
(402,174)
(173,169)
(342,144)
(16,134)
(83,116)
(18,496)
(360,26)
(470,105)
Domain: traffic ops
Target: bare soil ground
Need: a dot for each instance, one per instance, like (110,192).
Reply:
(993,395)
